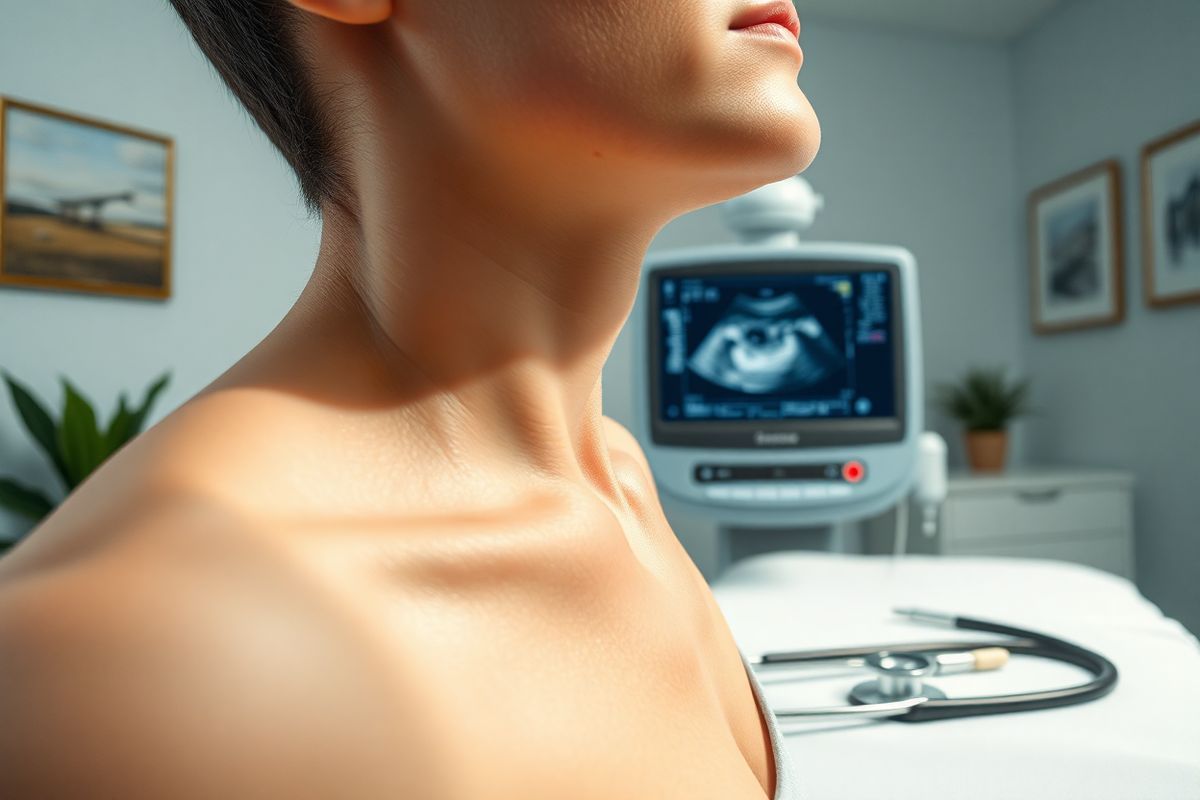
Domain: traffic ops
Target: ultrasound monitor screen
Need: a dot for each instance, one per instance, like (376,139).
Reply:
(784,346)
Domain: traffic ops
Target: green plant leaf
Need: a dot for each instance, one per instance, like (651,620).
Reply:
(23,500)
(984,399)
(120,427)
(80,441)
(39,423)
(139,416)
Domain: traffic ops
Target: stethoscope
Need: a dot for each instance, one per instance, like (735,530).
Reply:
(899,690)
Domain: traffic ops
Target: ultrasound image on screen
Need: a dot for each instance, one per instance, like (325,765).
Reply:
(776,346)
(769,345)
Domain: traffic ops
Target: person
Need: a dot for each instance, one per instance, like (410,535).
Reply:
(397,550)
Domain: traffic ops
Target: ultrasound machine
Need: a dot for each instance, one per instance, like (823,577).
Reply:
(783,379)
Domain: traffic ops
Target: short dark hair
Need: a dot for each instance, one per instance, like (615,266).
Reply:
(252,44)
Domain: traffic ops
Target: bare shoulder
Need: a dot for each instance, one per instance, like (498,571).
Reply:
(189,671)
(623,441)
(620,437)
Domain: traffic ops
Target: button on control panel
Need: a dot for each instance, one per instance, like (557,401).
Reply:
(853,471)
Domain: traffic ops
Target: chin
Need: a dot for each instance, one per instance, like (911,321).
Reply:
(791,134)
(803,143)
(783,144)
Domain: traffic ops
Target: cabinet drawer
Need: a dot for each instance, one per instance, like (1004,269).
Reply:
(1035,513)
(1111,551)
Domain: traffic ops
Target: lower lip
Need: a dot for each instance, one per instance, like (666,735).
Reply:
(771,30)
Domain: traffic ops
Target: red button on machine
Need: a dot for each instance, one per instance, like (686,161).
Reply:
(853,471)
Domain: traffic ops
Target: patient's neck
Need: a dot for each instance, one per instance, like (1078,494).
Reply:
(488,321)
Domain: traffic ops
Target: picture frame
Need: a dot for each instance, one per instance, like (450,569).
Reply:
(1171,218)
(1076,243)
(85,205)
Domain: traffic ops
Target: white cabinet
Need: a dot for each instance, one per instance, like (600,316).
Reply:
(1084,516)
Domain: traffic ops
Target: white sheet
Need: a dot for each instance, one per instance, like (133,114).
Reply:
(1142,741)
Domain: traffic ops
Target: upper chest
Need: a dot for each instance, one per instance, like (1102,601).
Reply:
(565,656)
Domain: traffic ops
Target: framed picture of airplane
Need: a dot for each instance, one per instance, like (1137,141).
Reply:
(1171,218)
(86,204)
(1076,259)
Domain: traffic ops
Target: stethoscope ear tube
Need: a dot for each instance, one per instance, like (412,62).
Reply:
(1104,678)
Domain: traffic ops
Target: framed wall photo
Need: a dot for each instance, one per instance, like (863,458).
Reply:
(86,204)
(1171,218)
(1076,251)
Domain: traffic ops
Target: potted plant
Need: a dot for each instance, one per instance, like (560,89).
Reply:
(985,401)
(76,444)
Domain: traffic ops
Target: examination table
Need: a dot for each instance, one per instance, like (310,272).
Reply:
(1140,742)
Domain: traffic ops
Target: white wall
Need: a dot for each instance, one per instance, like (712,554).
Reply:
(918,151)
(243,243)
(1098,79)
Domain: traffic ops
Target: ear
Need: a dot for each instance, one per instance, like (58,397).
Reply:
(352,12)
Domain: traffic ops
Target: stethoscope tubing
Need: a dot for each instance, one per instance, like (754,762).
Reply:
(1104,678)
(920,709)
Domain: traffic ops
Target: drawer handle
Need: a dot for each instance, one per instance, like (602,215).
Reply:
(1040,496)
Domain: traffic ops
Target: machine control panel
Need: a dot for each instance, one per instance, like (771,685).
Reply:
(779,482)
(853,471)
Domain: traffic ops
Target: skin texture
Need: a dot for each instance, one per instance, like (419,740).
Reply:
(397,550)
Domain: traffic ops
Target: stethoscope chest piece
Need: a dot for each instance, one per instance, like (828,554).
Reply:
(900,676)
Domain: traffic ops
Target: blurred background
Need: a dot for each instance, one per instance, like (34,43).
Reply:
(940,118)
